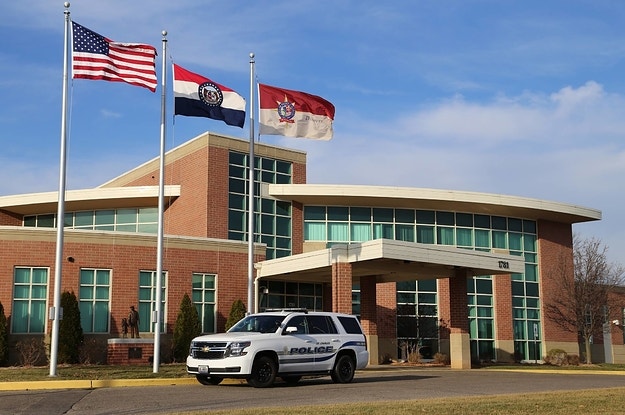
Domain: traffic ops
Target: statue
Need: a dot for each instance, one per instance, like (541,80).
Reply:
(133,322)
(124,328)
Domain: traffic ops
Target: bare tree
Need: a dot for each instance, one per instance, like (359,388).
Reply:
(583,305)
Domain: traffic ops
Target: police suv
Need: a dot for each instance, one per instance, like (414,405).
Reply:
(287,344)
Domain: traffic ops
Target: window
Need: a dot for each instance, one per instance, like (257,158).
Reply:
(481,317)
(147,300)
(204,289)
(94,300)
(272,222)
(30,293)
(121,220)
(321,325)
(350,324)
(282,294)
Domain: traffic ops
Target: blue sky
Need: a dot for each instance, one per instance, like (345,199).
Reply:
(523,98)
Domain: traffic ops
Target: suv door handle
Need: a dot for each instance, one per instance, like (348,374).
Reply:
(336,340)
(309,341)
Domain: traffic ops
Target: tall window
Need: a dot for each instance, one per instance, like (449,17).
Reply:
(204,287)
(30,293)
(272,222)
(147,300)
(417,317)
(481,317)
(94,301)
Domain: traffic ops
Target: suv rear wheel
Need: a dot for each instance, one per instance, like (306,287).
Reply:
(344,369)
(264,372)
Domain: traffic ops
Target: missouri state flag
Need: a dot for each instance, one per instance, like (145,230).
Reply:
(197,96)
(294,113)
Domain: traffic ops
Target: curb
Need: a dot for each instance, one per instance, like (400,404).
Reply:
(92,384)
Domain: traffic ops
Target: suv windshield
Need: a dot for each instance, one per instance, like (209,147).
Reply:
(259,324)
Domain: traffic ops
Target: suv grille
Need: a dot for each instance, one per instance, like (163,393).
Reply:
(208,350)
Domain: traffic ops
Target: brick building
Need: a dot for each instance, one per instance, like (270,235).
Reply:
(461,273)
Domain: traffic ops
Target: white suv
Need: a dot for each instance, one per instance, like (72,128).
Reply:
(287,344)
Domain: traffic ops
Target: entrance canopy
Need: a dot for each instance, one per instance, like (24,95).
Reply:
(389,260)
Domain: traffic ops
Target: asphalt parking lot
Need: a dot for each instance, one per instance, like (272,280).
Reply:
(162,396)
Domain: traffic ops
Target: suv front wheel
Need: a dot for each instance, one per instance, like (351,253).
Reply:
(344,369)
(264,372)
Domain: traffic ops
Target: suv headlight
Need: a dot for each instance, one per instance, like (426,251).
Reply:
(237,348)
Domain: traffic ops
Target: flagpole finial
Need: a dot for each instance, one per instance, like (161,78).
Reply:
(164,33)
(66,4)
(251,56)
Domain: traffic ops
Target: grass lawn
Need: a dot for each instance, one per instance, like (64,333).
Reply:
(600,401)
(91,372)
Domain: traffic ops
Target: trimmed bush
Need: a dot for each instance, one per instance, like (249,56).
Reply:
(559,357)
(187,327)
(70,330)
(237,312)
(4,337)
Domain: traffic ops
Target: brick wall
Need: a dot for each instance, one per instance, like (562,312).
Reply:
(368,305)
(10,219)
(130,351)
(126,255)
(555,251)
(387,309)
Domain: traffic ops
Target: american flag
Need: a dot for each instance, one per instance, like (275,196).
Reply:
(97,57)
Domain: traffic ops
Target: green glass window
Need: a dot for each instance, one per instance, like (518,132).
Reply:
(30,291)
(445,236)
(445,218)
(382,215)
(360,232)
(426,217)
(203,297)
(464,219)
(314,213)
(425,234)
(404,216)
(147,300)
(338,213)
(464,237)
(93,300)
(405,233)
(383,231)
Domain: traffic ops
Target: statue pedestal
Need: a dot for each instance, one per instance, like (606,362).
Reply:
(130,351)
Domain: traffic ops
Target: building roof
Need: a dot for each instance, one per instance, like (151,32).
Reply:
(388,261)
(86,199)
(432,199)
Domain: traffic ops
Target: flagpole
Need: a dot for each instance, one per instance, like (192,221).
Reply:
(158,312)
(55,311)
(250,204)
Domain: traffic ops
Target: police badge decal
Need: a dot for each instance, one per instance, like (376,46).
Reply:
(210,94)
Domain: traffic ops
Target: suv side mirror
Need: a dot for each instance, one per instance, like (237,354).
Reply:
(290,330)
